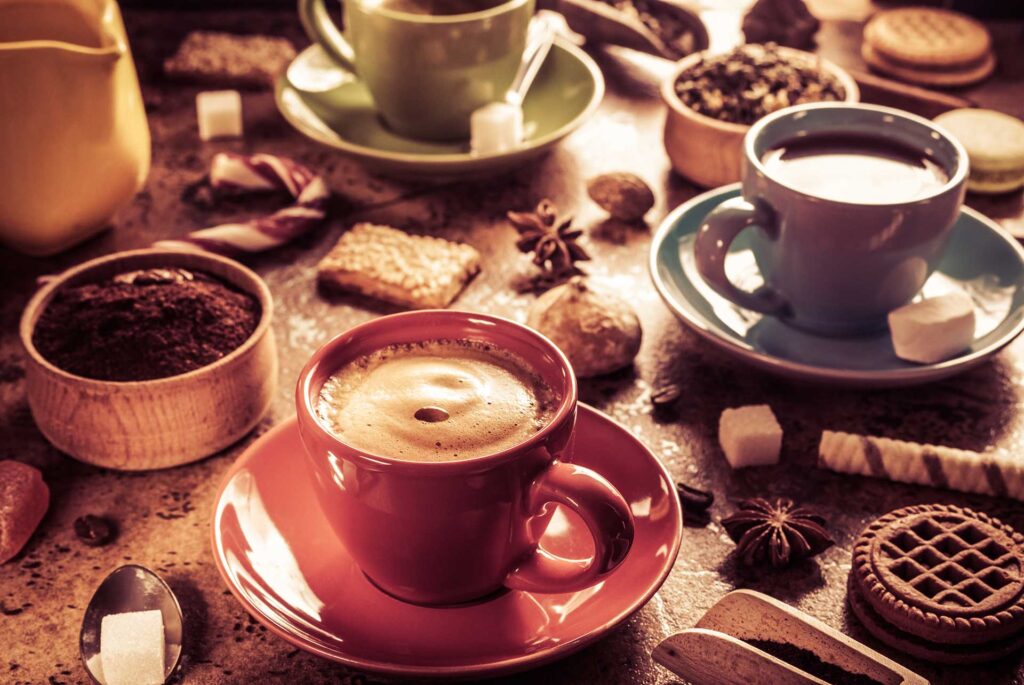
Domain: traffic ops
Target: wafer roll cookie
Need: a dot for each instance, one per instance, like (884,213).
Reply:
(908,462)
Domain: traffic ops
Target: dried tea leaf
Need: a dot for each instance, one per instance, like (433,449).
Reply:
(754,80)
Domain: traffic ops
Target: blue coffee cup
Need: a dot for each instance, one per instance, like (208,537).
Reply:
(831,266)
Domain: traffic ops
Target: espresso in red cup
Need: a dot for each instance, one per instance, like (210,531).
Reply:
(438,443)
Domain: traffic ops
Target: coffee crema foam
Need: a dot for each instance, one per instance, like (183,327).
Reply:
(439,400)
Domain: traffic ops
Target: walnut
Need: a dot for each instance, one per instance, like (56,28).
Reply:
(785,22)
(624,196)
(599,332)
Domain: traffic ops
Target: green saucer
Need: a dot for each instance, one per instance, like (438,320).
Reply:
(331,106)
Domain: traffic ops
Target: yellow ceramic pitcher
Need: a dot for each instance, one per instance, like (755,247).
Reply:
(74,143)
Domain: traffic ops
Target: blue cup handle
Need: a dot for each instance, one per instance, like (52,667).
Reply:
(711,246)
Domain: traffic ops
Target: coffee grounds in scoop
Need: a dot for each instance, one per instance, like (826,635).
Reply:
(143,325)
(811,663)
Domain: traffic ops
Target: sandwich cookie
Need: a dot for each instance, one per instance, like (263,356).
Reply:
(928,46)
(995,144)
(941,583)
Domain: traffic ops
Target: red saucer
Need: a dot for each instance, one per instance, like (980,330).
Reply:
(282,561)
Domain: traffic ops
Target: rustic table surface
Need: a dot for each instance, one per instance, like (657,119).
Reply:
(164,517)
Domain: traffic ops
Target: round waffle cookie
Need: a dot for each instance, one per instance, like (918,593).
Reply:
(940,574)
(923,649)
(926,37)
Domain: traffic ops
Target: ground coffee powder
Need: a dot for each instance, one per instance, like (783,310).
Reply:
(145,324)
(809,662)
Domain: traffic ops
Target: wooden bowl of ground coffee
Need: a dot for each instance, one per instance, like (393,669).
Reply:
(150,358)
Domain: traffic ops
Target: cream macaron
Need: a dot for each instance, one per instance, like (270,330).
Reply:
(995,144)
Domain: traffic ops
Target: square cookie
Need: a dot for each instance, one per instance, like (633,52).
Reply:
(216,58)
(420,272)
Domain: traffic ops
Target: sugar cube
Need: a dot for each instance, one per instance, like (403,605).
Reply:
(934,329)
(497,127)
(132,648)
(94,665)
(750,436)
(24,499)
(219,113)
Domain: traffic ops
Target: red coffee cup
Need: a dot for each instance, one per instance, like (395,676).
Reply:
(456,531)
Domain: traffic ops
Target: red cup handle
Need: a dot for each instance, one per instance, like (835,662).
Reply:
(601,507)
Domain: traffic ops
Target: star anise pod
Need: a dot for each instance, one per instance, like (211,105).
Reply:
(550,238)
(776,532)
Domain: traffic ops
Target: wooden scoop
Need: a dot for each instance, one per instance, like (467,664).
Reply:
(599,22)
(716,652)
(922,101)
(708,656)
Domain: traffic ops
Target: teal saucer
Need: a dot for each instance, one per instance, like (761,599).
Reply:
(981,259)
(330,105)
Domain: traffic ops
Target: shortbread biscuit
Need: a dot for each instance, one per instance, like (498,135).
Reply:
(942,575)
(421,272)
(928,38)
(215,58)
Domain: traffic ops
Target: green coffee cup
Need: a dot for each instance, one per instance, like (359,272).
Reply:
(426,71)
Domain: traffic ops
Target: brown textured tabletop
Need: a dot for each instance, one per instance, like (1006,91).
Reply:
(164,516)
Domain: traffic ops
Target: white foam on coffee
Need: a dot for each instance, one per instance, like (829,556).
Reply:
(493,400)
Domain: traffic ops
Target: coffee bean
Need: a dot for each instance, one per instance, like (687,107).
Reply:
(94,531)
(431,414)
(694,501)
(666,394)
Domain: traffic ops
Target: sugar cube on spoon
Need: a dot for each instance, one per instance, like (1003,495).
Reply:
(498,127)
(132,648)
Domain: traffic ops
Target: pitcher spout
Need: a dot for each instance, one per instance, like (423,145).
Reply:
(108,54)
(84,30)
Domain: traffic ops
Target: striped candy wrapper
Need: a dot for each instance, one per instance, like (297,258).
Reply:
(259,173)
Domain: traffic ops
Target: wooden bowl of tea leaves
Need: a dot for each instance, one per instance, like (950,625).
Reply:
(714,98)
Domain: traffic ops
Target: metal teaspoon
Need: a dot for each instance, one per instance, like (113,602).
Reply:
(131,588)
